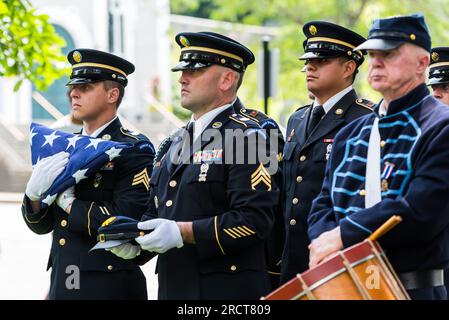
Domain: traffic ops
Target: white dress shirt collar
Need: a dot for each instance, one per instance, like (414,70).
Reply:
(332,101)
(382,109)
(98,131)
(202,123)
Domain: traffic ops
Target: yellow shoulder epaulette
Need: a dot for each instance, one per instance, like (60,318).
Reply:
(365,103)
(132,134)
(240,119)
(250,113)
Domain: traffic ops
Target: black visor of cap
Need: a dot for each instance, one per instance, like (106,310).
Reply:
(438,80)
(322,50)
(197,60)
(190,65)
(90,74)
(380,44)
(439,71)
(318,55)
(438,76)
(76,81)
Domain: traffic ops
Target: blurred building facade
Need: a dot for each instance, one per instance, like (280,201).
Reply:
(136,30)
(139,30)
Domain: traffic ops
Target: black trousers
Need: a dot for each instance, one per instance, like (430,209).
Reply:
(434,293)
(446,280)
(98,285)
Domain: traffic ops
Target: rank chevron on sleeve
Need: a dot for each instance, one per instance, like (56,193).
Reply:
(261,175)
(142,177)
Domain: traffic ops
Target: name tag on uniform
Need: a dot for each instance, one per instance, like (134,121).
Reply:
(207,155)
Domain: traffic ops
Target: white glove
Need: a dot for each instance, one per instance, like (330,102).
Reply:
(126,251)
(65,199)
(44,174)
(165,236)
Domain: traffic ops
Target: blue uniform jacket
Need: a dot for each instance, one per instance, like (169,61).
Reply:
(232,208)
(415,142)
(113,190)
(303,172)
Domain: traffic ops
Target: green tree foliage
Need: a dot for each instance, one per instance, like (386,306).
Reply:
(29,47)
(290,15)
(194,8)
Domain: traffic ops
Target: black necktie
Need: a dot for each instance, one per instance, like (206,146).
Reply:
(317,114)
(189,129)
(187,143)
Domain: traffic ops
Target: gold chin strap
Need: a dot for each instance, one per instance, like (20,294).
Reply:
(98,65)
(205,49)
(315,39)
(440,64)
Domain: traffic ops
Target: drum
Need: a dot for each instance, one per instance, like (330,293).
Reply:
(361,272)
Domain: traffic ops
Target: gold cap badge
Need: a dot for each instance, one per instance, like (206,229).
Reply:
(77,57)
(313,30)
(435,56)
(184,41)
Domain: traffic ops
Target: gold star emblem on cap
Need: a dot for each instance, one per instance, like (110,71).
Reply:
(435,56)
(184,41)
(106,137)
(339,111)
(313,30)
(77,57)
(413,37)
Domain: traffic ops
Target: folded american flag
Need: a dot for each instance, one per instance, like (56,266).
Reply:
(87,155)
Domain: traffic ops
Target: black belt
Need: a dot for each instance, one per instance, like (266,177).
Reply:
(422,279)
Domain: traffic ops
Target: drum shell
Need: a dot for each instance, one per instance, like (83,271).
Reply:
(360,272)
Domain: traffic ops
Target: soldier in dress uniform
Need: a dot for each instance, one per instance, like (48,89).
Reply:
(331,67)
(212,211)
(439,82)
(439,73)
(275,242)
(393,161)
(95,89)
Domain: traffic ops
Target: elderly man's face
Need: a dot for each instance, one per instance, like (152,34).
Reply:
(441,92)
(389,71)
